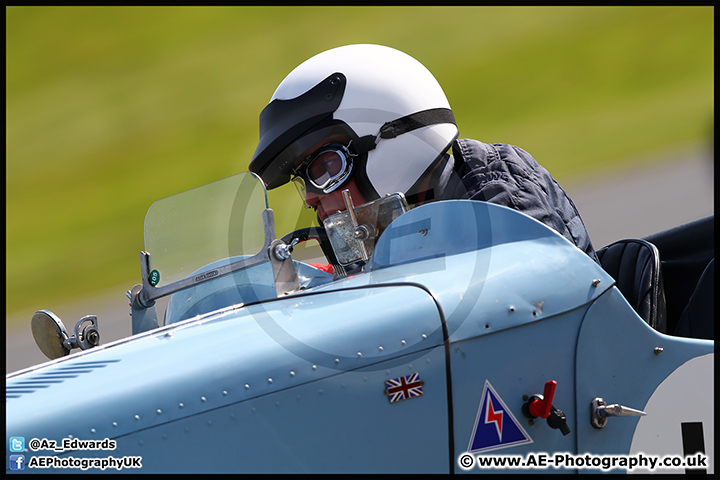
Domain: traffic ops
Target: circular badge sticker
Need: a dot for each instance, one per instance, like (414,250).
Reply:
(154,278)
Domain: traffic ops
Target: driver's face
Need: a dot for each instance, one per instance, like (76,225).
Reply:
(328,204)
(333,202)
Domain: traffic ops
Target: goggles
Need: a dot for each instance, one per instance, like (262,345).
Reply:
(327,169)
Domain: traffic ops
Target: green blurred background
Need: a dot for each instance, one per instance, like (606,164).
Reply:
(111,108)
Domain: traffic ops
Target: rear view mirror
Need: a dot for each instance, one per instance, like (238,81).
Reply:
(50,334)
(52,337)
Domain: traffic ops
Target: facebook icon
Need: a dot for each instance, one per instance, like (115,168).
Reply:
(17,462)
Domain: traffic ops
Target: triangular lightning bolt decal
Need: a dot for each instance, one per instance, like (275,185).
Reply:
(495,425)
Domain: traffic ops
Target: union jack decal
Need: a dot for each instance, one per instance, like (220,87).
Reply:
(402,388)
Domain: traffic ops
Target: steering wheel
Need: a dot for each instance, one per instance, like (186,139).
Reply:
(313,233)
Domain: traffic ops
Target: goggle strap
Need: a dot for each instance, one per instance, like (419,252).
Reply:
(365,144)
(405,124)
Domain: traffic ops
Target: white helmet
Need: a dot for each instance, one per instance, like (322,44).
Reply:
(390,105)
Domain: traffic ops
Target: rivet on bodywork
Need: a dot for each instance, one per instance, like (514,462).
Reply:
(247,386)
(181,405)
(314,367)
(359,354)
(203,399)
(658,350)
(337,360)
(424,336)
(292,373)
(512,309)
(114,424)
(159,412)
(225,393)
(270,380)
(92,430)
(403,342)
(596,282)
(380,348)
(137,417)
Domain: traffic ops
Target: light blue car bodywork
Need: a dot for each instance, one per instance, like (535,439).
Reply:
(463,293)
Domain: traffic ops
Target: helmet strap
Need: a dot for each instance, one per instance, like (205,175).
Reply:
(431,184)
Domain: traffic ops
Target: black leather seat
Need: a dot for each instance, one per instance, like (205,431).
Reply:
(698,318)
(635,266)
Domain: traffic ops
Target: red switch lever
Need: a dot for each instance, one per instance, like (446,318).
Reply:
(541,407)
